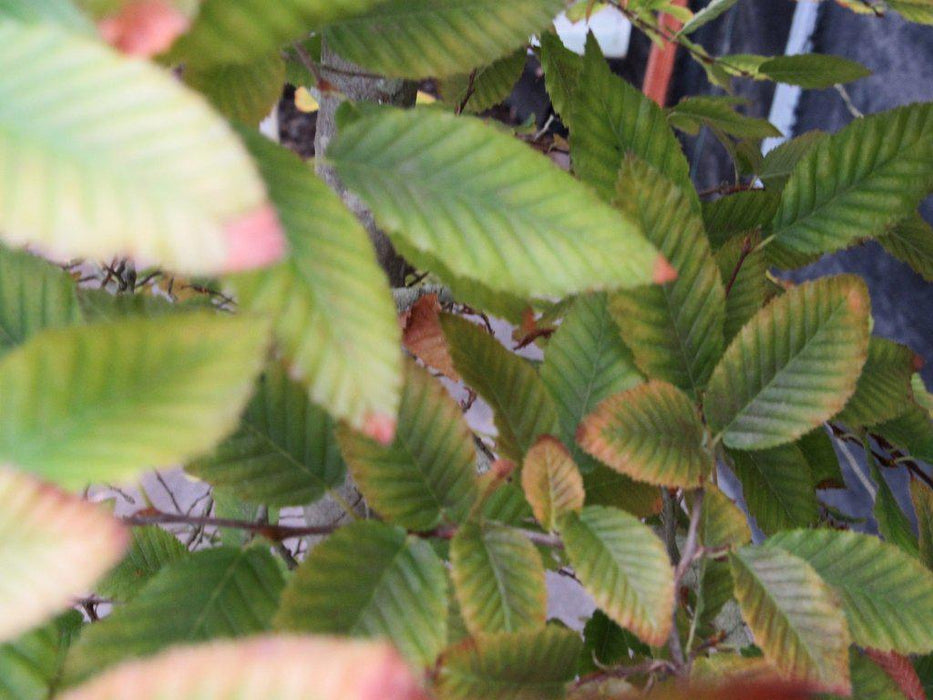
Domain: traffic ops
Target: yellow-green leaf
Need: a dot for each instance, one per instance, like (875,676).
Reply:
(551,481)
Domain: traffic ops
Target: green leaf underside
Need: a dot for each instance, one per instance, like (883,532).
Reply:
(794,616)
(370,580)
(911,241)
(31,665)
(498,578)
(149,171)
(652,433)
(488,86)
(419,38)
(741,212)
(624,566)
(221,592)
(34,294)
(893,523)
(747,273)
(692,112)
(858,182)
(163,390)
(506,666)
(611,118)
(243,93)
(333,314)
(562,68)
(886,593)
(793,366)
(152,548)
(586,362)
(284,452)
(551,482)
(813,70)
(477,199)
(778,487)
(883,390)
(427,475)
(780,161)
(508,383)
(675,330)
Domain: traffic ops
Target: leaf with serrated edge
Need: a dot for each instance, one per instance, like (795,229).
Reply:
(737,213)
(31,664)
(243,93)
(477,199)
(624,566)
(723,524)
(332,311)
(744,273)
(273,668)
(911,241)
(883,389)
(498,578)
(675,330)
(163,389)
(793,366)
(506,666)
(794,616)
(551,481)
(424,338)
(813,70)
(652,433)
(922,498)
(523,409)
(562,69)
(369,579)
(152,548)
(858,181)
(427,475)
(892,521)
(150,172)
(420,38)
(53,547)
(887,594)
(485,87)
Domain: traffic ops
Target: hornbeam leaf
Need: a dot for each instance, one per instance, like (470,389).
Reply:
(652,433)
(893,523)
(108,401)
(611,119)
(149,171)
(624,566)
(858,182)
(427,475)
(675,330)
(886,593)
(911,241)
(883,391)
(486,86)
(420,38)
(872,682)
(723,524)
(31,665)
(332,311)
(813,70)
(712,10)
(523,409)
(922,498)
(508,666)
(53,547)
(369,579)
(793,366)
(562,68)
(738,213)
(499,579)
(744,273)
(284,452)
(152,548)
(779,162)
(912,429)
(551,481)
(270,667)
(794,616)
(62,12)
(693,112)
(243,93)
(477,199)
(219,592)
(920,11)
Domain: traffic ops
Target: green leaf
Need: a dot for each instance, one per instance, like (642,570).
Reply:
(151,549)
(887,594)
(858,182)
(606,487)
(477,199)
(813,70)
(893,523)
(920,11)
(624,566)
(693,112)
(911,241)
(523,409)
(611,119)
(883,391)
(487,86)
(722,524)
(606,644)
(333,313)
(53,547)
(551,482)
(243,93)
(499,579)
(713,9)
(652,433)
(507,505)
(60,12)
(149,172)
(778,487)
(562,69)
(506,666)
(911,430)
(921,497)
(870,681)
(162,389)
(780,161)
(794,616)
(284,452)
(34,294)
(369,579)
(586,362)
(31,666)
(214,593)
(741,212)
(743,271)
(793,366)
(420,38)
(818,451)
(675,330)
(427,475)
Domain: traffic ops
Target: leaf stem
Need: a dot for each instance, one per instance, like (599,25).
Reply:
(689,554)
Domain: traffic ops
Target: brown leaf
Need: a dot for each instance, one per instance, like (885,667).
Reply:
(144,27)
(424,338)
(901,671)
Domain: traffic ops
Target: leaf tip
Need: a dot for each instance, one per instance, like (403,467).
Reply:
(144,27)
(255,240)
(380,427)
(663,271)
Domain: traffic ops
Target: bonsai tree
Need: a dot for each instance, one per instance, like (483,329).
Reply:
(176,289)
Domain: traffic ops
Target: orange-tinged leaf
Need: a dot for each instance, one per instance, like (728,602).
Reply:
(255,240)
(551,481)
(424,338)
(144,27)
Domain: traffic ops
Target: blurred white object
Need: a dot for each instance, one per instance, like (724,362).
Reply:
(611,28)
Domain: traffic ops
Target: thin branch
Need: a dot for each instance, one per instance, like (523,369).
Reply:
(271,532)
(747,249)
(470,89)
(690,552)
(646,668)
